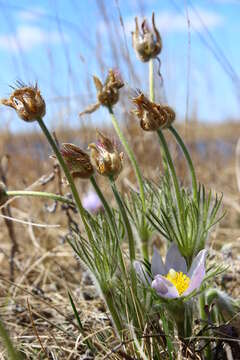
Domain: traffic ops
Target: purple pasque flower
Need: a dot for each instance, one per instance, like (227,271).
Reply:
(172,280)
(92,203)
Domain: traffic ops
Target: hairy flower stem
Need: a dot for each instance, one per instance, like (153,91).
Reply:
(173,174)
(152,98)
(66,172)
(134,163)
(151,81)
(40,194)
(125,219)
(189,161)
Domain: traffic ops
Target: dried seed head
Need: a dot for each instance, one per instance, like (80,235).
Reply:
(152,116)
(106,158)
(77,160)
(3,193)
(27,101)
(107,93)
(146,43)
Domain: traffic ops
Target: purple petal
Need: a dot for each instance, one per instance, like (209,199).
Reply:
(197,272)
(164,288)
(142,273)
(158,267)
(200,258)
(174,260)
(91,202)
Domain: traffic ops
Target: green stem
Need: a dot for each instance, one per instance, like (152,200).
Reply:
(66,172)
(203,316)
(173,173)
(41,194)
(152,98)
(139,179)
(189,161)
(104,203)
(151,81)
(125,219)
(130,155)
(108,297)
(13,354)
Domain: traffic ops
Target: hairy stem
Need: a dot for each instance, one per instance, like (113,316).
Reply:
(138,175)
(189,161)
(41,194)
(173,174)
(151,81)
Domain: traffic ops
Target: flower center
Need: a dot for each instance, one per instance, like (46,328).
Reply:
(180,280)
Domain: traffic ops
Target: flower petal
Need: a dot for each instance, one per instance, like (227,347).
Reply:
(197,272)
(200,258)
(158,267)
(164,288)
(174,260)
(142,273)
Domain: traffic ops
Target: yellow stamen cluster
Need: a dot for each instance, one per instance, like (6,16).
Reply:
(180,280)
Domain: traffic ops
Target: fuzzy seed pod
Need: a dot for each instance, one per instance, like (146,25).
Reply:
(27,101)
(3,193)
(147,44)
(77,161)
(105,157)
(152,116)
(107,93)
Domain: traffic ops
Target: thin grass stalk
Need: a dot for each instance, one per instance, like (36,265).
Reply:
(87,341)
(41,194)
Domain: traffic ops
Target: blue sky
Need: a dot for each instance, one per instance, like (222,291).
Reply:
(61,43)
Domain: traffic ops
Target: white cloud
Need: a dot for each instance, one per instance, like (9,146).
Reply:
(169,21)
(28,37)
